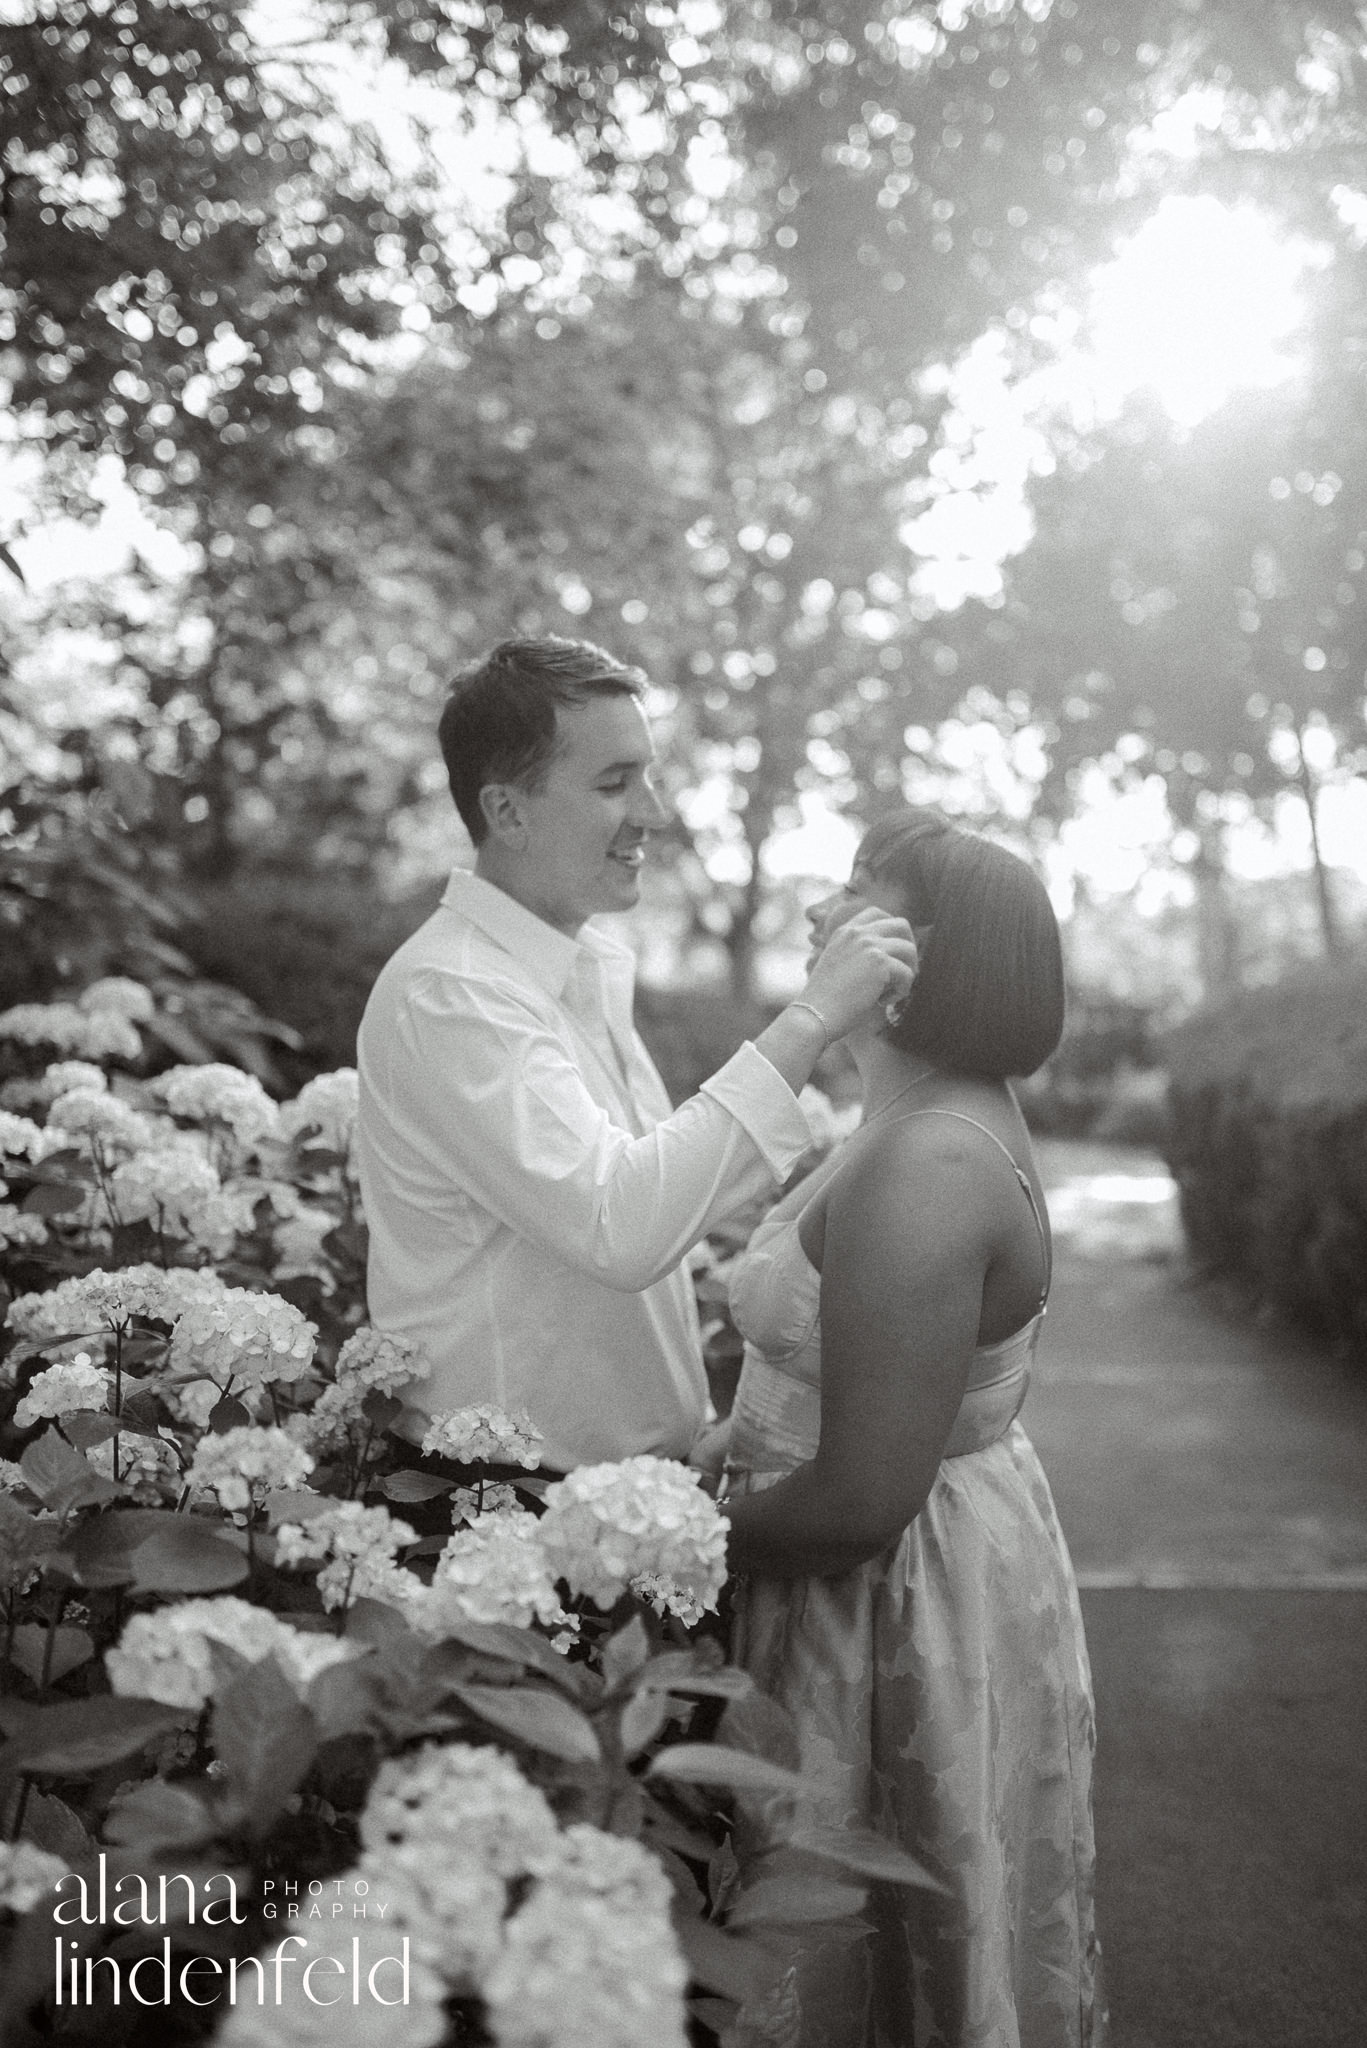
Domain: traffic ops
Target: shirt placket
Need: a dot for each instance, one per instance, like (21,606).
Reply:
(584,999)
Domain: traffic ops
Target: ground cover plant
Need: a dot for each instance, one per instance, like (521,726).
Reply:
(299,1739)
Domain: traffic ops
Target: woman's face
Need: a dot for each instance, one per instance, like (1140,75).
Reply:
(863,891)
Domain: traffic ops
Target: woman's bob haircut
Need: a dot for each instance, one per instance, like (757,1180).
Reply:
(988,995)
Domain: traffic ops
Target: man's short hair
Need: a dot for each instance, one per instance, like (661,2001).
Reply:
(499,721)
(988,998)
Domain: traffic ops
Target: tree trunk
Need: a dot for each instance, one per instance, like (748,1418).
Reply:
(757,818)
(1216,924)
(740,939)
(1324,893)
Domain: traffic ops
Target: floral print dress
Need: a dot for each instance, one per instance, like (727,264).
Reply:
(944,1698)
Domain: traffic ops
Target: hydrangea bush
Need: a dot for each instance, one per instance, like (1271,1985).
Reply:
(250,1643)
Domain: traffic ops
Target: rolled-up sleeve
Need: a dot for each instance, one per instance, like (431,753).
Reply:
(489,1089)
(760,1100)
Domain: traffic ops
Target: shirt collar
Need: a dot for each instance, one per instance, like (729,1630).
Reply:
(548,955)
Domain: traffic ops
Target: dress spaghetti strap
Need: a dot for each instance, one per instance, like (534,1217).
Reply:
(1021,1176)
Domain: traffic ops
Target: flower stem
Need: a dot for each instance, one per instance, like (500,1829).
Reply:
(50,1645)
(118,1391)
(21,1807)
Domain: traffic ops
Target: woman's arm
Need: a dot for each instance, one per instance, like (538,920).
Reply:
(908,1236)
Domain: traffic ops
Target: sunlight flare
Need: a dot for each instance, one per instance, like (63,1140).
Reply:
(1198,304)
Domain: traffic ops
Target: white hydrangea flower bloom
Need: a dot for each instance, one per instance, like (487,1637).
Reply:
(118,995)
(169,1185)
(222,1094)
(329,2019)
(298,1238)
(372,1359)
(20,1137)
(397,1588)
(193,1401)
(456,1801)
(11,1476)
(485,1435)
(86,1302)
(356,1546)
(81,1035)
(326,1105)
(645,1518)
(224,1218)
(17,1227)
(326,1425)
(244,1336)
(78,1384)
(493,1498)
(27,1874)
(452,1909)
(102,1120)
(148,1464)
(666,1596)
(241,1465)
(184,1287)
(574,1974)
(495,1570)
(165,1655)
(64,1075)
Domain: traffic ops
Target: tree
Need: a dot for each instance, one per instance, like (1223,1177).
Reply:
(195,238)
(915,182)
(696,421)
(202,258)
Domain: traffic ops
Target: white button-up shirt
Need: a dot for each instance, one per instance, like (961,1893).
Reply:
(529,1192)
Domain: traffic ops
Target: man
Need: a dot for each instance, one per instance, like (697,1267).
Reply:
(530,1195)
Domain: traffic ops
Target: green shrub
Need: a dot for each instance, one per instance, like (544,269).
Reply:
(306,951)
(1103,1082)
(1267,1141)
(690,1032)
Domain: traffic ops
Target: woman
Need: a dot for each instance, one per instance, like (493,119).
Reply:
(906,1590)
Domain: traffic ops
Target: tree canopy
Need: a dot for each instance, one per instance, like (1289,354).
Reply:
(646,324)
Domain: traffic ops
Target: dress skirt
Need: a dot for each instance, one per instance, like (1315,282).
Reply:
(944,1699)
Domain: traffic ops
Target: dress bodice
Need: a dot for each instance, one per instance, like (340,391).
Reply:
(775,1297)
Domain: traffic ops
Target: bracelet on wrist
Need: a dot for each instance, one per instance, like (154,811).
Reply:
(812,1011)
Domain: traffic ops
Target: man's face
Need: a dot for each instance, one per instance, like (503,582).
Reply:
(586,821)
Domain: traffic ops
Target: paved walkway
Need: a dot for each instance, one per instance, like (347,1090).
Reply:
(1209,1472)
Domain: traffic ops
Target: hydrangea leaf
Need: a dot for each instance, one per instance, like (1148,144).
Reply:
(51,1466)
(49,1823)
(520,1646)
(77,1737)
(53,1198)
(409,1485)
(685,1671)
(708,1763)
(71,1647)
(346,1698)
(728,1963)
(870,1854)
(265,1738)
(24,1542)
(157,1815)
(642,1719)
(185,1557)
(794,1899)
(542,1719)
(625,1652)
(101,1550)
